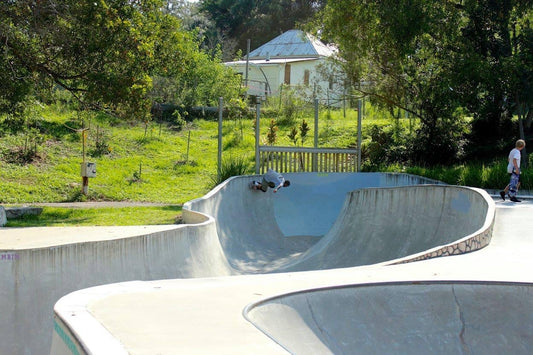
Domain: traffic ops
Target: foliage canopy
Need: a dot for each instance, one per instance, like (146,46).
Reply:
(260,21)
(434,59)
(104,52)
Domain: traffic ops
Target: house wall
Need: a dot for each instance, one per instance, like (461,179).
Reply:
(258,74)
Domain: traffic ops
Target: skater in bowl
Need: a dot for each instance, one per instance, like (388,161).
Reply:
(271,179)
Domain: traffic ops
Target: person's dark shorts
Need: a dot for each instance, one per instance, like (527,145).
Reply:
(266,184)
(519,175)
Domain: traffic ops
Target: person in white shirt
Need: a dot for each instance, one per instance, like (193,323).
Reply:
(271,179)
(513,169)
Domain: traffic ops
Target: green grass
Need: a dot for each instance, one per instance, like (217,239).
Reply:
(138,164)
(159,164)
(476,174)
(123,216)
(135,163)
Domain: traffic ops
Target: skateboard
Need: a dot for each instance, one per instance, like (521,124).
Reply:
(254,185)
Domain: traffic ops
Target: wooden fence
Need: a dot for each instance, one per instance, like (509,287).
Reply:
(293,159)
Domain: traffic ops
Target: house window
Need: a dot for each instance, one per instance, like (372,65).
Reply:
(287,74)
(306,77)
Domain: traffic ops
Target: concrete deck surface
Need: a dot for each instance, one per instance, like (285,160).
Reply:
(479,302)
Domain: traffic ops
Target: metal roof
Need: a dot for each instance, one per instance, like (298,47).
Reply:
(267,62)
(292,44)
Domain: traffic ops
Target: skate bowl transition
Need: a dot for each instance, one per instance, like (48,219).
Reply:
(401,318)
(324,266)
(326,221)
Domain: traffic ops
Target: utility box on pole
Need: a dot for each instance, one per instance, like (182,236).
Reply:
(87,170)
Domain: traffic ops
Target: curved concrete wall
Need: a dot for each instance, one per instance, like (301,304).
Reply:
(308,207)
(254,227)
(317,223)
(410,222)
(405,318)
(314,224)
(31,284)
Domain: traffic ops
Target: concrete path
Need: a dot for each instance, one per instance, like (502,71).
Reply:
(479,302)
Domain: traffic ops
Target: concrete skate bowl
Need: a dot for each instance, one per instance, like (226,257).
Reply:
(325,221)
(402,318)
(321,221)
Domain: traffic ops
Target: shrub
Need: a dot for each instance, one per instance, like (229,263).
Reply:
(101,144)
(304,129)
(178,120)
(231,167)
(293,135)
(272,133)
(22,149)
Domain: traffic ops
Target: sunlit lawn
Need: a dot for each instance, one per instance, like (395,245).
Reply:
(123,216)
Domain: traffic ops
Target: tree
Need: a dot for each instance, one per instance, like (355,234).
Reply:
(400,54)
(260,21)
(522,40)
(186,76)
(431,59)
(101,51)
(496,61)
(105,52)
(197,22)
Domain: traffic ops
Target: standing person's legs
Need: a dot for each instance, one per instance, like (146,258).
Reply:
(513,186)
(504,192)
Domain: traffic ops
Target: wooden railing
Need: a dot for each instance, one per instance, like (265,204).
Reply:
(293,159)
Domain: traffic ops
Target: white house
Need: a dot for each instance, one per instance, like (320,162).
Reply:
(296,59)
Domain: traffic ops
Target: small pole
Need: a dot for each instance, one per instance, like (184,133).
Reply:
(280,95)
(344,101)
(219,160)
(246,70)
(316,124)
(84,178)
(83,144)
(315,156)
(359,134)
(257,117)
(188,144)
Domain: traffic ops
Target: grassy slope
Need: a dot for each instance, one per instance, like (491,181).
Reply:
(151,164)
(143,165)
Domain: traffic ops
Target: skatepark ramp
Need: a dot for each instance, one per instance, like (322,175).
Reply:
(233,230)
(337,220)
(47,263)
(328,223)
(401,318)
(403,224)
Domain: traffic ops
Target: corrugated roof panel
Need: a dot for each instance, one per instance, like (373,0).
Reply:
(293,43)
(270,62)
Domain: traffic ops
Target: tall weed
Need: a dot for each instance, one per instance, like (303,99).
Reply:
(231,167)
